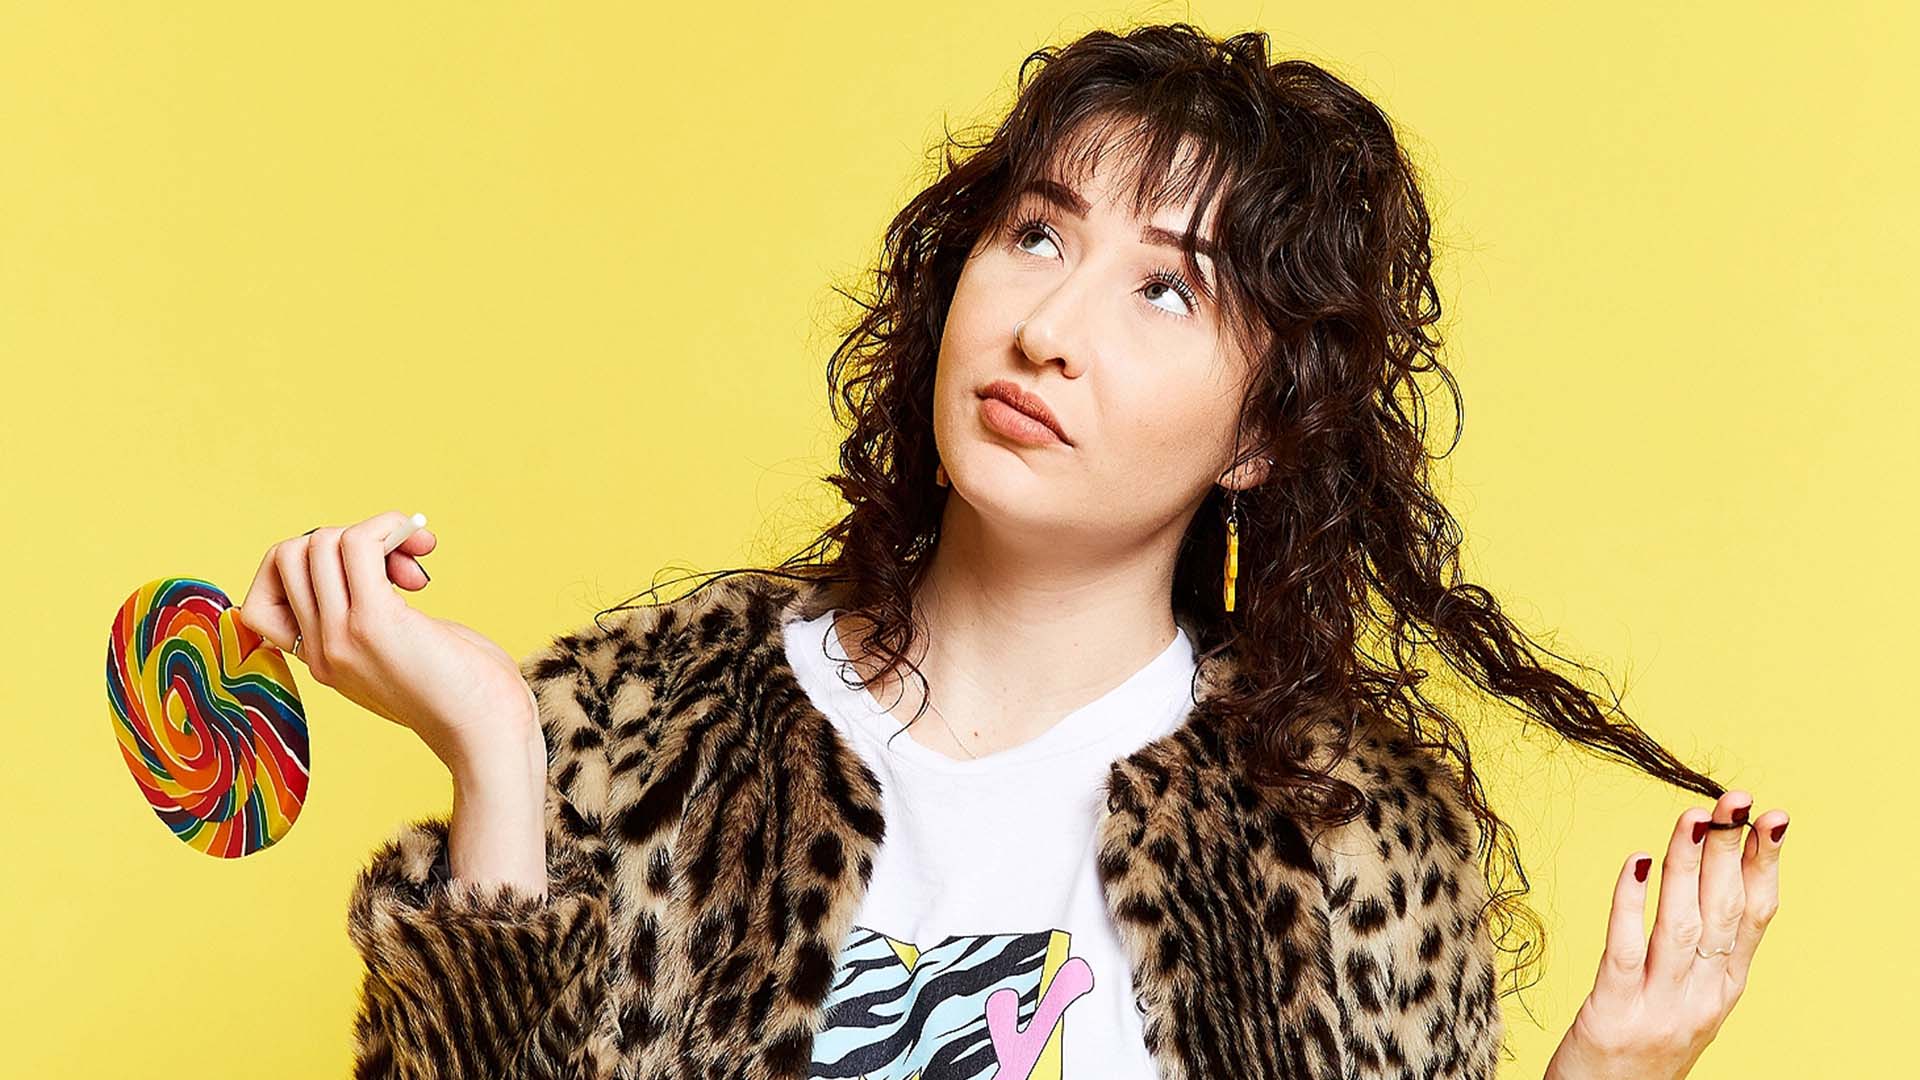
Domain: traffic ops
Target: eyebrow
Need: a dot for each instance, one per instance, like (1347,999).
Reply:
(1071,201)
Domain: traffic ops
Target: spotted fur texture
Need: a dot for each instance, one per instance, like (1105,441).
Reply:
(710,837)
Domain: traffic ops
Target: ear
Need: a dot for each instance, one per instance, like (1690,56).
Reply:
(1250,473)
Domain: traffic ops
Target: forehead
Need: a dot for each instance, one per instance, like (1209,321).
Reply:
(1139,171)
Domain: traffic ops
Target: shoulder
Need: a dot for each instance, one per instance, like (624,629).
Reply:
(1407,903)
(636,674)
(1411,853)
(641,642)
(1416,808)
(618,638)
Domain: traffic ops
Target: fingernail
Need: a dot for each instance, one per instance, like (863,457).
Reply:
(1641,866)
(1740,814)
(1779,831)
(1699,831)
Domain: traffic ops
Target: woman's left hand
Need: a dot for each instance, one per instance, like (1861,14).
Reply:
(1655,1005)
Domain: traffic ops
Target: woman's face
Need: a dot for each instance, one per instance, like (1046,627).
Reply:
(1131,358)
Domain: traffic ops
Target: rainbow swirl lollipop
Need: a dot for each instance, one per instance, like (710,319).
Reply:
(207,717)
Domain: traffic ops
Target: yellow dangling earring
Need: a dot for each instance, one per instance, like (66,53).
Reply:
(1233,547)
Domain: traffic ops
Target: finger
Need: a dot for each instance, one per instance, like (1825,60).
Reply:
(365,556)
(329,587)
(1676,927)
(1623,962)
(265,610)
(1760,872)
(1723,895)
(290,565)
(407,571)
(421,541)
(404,567)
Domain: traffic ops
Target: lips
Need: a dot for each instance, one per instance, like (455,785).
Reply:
(1025,402)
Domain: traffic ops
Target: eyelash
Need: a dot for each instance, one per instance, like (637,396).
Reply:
(1163,276)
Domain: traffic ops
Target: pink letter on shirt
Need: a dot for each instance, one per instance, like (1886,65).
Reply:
(1018,1050)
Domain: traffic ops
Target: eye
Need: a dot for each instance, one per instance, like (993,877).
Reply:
(1167,279)
(1026,228)
(1161,279)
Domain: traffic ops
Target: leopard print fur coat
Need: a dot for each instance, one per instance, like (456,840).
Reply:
(710,837)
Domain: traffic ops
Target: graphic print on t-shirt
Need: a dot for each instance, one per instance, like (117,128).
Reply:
(986,1006)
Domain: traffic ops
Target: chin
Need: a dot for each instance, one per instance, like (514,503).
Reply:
(999,484)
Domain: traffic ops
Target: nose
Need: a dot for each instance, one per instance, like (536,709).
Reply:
(1036,337)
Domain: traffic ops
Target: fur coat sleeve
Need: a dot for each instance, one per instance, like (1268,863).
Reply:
(467,980)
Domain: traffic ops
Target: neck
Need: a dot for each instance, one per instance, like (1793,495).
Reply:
(1011,641)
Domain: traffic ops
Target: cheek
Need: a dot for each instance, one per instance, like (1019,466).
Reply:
(965,331)
(977,335)
(1178,430)
(965,347)
(982,300)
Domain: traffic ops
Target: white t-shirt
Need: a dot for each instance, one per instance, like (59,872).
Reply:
(983,946)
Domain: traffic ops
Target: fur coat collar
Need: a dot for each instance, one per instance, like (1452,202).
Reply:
(710,837)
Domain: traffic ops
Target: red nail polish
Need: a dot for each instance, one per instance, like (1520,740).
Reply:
(1740,815)
(1640,868)
(1699,831)
(1779,831)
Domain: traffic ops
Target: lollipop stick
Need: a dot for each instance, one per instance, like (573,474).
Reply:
(401,531)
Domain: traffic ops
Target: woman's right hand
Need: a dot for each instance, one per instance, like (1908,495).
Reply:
(462,694)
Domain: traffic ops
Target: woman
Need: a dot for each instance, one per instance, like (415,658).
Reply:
(1138,494)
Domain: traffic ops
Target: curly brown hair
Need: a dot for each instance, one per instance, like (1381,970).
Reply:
(1350,564)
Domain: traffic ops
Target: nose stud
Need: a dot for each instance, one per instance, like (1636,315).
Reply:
(1017,327)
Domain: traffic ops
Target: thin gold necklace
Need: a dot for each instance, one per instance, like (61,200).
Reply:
(929,700)
(949,727)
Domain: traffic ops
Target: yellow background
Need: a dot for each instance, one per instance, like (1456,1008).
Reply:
(560,281)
